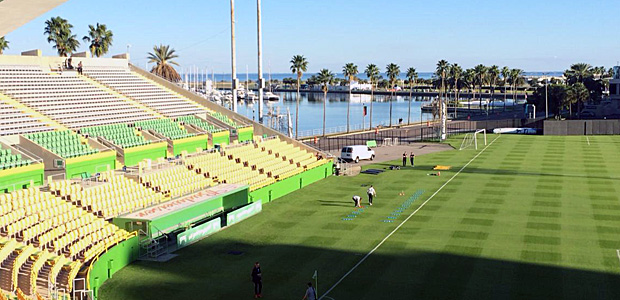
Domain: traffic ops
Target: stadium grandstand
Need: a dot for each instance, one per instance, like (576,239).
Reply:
(103,168)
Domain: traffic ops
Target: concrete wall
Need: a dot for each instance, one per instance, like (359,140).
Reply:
(54,61)
(581,127)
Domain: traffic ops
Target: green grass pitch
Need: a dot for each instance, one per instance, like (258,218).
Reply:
(532,217)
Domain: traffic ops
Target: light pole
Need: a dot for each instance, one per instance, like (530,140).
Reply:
(546,97)
(233,58)
(260,63)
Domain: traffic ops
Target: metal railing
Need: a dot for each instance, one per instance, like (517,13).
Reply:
(402,135)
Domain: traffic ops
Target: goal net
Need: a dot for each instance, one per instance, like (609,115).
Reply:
(471,140)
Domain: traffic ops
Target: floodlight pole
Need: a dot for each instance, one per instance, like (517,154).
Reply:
(260,62)
(546,98)
(233,84)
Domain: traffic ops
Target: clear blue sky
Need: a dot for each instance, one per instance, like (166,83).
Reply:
(533,35)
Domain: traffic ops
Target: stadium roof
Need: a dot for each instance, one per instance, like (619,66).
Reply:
(16,13)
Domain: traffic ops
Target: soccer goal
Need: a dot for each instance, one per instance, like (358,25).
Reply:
(471,139)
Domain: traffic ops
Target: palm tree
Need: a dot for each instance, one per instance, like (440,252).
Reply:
(470,78)
(371,72)
(516,78)
(578,73)
(350,71)
(58,31)
(576,93)
(412,77)
(481,75)
(299,64)
(505,75)
(443,67)
(325,78)
(100,39)
(4,44)
(392,71)
(163,57)
(456,72)
(492,76)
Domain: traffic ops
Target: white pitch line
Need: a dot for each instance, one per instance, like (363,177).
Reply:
(618,253)
(404,221)
(588,139)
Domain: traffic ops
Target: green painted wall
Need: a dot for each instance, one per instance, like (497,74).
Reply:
(291,184)
(221,138)
(245,134)
(140,153)
(189,146)
(201,210)
(16,178)
(111,261)
(74,167)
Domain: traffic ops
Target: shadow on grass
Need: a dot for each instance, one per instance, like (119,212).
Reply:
(206,271)
(474,170)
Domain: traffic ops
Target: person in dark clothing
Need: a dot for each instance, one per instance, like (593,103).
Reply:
(411,158)
(79,68)
(404,159)
(257,278)
(310,293)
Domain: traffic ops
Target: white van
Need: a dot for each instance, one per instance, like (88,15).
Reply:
(357,152)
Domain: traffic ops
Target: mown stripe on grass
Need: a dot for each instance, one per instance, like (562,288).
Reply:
(541,256)
(541,240)
(544,226)
(474,221)
(407,219)
(545,214)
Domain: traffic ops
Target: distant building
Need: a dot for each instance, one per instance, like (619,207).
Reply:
(355,85)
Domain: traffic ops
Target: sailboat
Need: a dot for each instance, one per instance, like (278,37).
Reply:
(270,96)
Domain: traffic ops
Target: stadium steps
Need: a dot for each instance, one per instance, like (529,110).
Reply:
(41,286)
(31,112)
(23,277)
(6,269)
(169,90)
(121,96)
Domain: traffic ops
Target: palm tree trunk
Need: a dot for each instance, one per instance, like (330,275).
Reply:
(324,101)
(480,90)
(504,96)
(473,97)
(514,97)
(349,105)
(371,100)
(296,107)
(391,108)
(409,111)
(456,97)
(492,99)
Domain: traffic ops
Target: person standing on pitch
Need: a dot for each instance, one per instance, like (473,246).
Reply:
(371,194)
(411,158)
(310,293)
(404,159)
(257,278)
(357,200)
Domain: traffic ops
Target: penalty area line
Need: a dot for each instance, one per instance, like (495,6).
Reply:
(324,296)
(588,139)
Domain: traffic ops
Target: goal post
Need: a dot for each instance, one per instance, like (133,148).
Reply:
(471,139)
(484,133)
